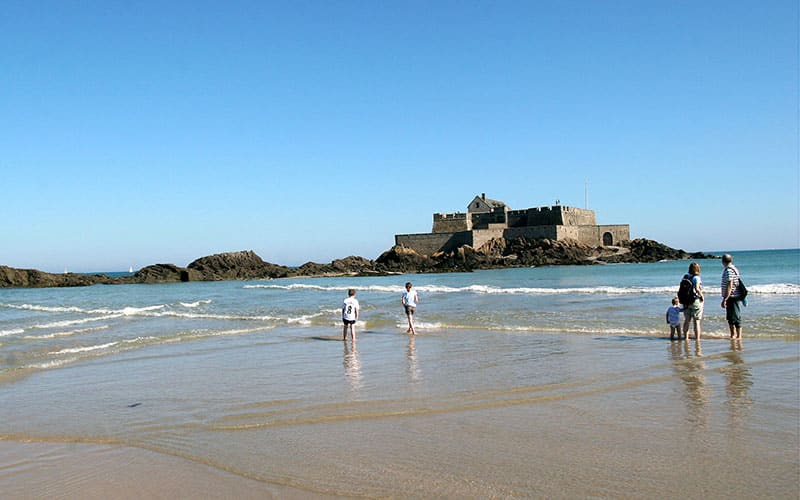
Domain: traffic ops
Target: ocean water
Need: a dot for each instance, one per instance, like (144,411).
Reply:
(516,376)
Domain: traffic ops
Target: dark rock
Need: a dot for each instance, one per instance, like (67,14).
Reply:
(31,278)
(162,273)
(235,266)
(349,266)
(404,260)
(644,250)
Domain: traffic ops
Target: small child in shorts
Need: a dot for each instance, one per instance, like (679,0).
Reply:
(350,308)
(674,319)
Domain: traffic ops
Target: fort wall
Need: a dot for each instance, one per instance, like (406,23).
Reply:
(451,223)
(594,235)
(560,215)
(481,236)
(430,243)
(486,219)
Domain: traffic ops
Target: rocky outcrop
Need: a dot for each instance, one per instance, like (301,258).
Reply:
(31,278)
(245,265)
(501,253)
(349,266)
(644,250)
(236,266)
(162,273)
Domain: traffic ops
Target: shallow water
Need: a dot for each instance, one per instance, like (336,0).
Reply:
(553,382)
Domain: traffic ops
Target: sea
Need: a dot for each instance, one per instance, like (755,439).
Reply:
(527,382)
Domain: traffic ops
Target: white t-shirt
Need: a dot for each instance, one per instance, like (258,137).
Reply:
(410,298)
(350,309)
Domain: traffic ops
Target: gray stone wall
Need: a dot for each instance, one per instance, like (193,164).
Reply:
(486,219)
(483,222)
(451,223)
(481,236)
(531,232)
(559,216)
(430,243)
(616,233)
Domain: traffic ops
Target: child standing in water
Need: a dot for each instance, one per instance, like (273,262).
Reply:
(674,319)
(350,308)
(410,300)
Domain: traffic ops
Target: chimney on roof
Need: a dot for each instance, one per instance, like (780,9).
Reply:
(483,196)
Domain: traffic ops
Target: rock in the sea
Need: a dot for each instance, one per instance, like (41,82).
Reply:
(31,278)
(349,266)
(235,266)
(162,273)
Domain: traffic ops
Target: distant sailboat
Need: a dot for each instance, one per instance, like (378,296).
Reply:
(130,269)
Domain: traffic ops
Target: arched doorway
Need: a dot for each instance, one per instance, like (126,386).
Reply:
(608,239)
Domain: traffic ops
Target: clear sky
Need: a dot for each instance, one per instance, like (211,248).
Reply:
(135,133)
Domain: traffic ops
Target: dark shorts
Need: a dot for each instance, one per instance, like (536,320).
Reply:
(733,312)
(410,309)
(348,322)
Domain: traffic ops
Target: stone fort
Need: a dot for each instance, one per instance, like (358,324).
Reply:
(486,219)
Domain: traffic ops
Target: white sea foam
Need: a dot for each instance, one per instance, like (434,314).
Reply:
(66,333)
(192,305)
(77,350)
(56,363)
(72,322)
(306,318)
(13,331)
(34,307)
(774,289)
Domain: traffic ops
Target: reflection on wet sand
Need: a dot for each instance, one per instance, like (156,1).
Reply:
(738,380)
(414,373)
(352,366)
(691,369)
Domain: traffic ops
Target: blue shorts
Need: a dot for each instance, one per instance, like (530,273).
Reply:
(348,322)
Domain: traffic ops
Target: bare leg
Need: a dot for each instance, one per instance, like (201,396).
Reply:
(411,324)
(353,332)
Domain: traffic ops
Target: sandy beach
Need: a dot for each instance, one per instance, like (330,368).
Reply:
(405,417)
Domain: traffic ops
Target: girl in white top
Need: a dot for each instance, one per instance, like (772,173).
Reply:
(410,300)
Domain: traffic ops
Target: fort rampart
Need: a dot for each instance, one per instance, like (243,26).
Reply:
(487,219)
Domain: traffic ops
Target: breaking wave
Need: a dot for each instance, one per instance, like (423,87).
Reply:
(768,289)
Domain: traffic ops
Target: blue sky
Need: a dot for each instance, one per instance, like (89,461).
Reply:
(135,133)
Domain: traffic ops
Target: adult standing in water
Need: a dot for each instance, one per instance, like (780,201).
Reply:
(693,313)
(731,296)
(410,300)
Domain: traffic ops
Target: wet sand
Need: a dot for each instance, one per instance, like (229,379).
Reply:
(94,471)
(451,415)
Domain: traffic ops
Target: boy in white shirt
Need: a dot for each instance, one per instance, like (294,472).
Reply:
(350,309)
(410,300)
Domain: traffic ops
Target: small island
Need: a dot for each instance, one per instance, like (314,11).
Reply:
(488,235)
